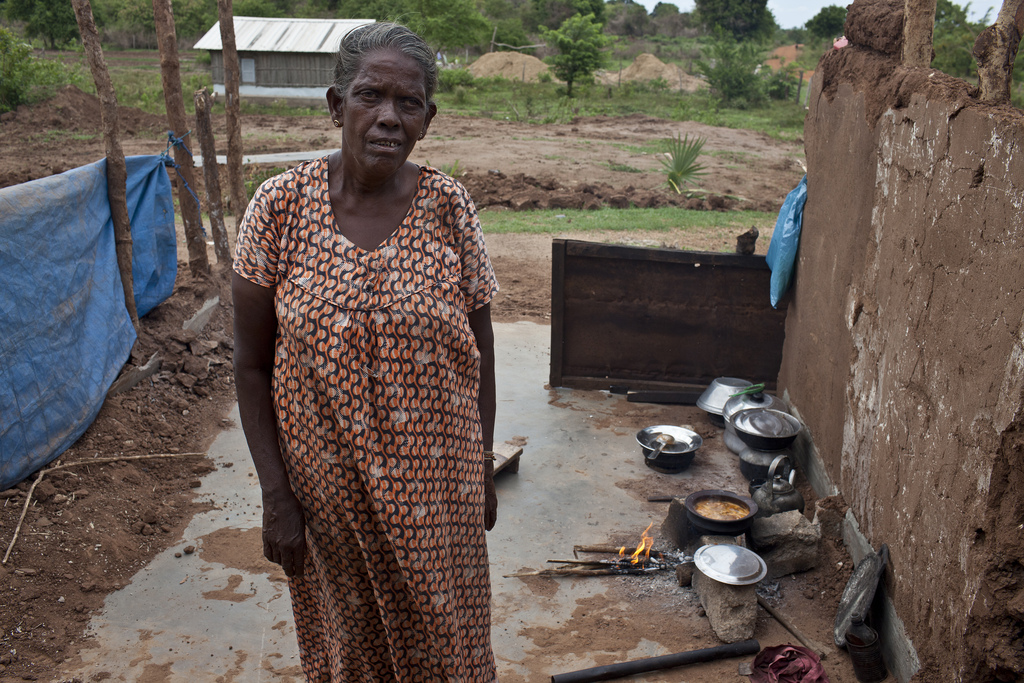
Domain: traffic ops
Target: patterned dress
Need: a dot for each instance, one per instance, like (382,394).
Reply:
(375,386)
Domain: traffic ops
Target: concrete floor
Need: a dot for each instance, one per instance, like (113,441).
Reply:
(223,613)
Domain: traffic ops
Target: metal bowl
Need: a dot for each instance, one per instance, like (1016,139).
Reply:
(731,527)
(674,457)
(714,398)
(731,564)
(766,429)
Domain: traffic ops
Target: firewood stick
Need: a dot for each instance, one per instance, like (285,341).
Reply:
(579,571)
(623,563)
(788,625)
(596,548)
(613,549)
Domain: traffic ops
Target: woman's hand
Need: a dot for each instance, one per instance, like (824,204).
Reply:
(284,533)
(490,497)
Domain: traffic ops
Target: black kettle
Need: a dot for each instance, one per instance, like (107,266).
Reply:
(775,494)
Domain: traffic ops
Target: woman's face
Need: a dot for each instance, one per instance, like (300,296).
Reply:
(383,114)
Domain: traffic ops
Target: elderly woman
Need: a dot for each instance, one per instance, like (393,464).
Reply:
(365,377)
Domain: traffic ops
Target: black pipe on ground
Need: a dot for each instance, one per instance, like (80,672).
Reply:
(606,673)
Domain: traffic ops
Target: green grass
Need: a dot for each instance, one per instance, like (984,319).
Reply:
(552,221)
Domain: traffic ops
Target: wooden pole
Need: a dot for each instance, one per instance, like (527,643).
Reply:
(232,78)
(811,645)
(995,50)
(211,176)
(117,172)
(170,76)
(918,24)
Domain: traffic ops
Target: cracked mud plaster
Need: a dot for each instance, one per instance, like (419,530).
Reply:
(912,268)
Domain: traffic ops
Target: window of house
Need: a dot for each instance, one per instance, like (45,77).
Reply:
(248,70)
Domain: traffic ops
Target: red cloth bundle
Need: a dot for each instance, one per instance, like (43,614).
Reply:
(787,664)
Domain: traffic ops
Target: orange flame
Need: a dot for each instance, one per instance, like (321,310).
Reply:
(644,547)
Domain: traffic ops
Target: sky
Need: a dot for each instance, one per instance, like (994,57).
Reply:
(794,13)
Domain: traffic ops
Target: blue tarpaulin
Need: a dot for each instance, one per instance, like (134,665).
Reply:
(64,329)
(785,242)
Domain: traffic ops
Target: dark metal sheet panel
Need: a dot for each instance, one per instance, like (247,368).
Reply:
(639,317)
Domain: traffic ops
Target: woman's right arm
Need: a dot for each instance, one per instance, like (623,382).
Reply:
(284,539)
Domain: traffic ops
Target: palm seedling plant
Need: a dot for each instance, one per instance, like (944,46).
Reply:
(680,160)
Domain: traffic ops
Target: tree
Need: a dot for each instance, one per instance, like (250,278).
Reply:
(579,41)
(669,21)
(731,70)
(446,23)
(828,23)
(549,13)
(742,19)
(52,20)
(664,9)
(628,19)
(953,39)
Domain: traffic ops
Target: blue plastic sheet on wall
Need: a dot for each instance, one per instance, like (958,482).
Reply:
(64,329)
(781,256)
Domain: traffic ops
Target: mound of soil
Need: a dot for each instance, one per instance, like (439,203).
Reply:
(510,65)
(36,151)
(521,192)
(73,109)
(647,67)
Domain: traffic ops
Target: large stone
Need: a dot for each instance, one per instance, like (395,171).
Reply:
(732,610)
(676,527)
(787,542)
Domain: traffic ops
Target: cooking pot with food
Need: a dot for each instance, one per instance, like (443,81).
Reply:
(720,512)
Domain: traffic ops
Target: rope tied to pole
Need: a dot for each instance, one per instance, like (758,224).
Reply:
(168,160)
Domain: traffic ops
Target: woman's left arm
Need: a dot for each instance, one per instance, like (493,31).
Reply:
(480,322)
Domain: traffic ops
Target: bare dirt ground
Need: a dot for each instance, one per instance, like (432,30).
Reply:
(89,528)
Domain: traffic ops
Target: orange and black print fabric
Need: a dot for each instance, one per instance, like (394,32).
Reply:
(375,386)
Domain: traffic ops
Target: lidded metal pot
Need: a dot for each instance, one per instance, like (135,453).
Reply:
(776,493)
(745,401)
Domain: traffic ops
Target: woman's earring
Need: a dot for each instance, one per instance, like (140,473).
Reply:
(423,134)
(337,123)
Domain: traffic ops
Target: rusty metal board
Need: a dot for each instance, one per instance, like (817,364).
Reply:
(660,318)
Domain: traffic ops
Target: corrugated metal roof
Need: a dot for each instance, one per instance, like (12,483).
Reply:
(260,34)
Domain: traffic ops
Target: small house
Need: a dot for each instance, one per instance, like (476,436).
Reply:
(291,59)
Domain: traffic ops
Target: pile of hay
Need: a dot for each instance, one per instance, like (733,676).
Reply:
(647,67)
(511,65)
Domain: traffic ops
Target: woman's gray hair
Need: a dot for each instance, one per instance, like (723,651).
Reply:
(383,35)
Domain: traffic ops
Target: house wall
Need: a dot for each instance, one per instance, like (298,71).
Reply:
(282,69)
(904,349)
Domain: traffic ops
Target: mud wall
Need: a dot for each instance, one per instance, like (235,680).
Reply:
(904,347)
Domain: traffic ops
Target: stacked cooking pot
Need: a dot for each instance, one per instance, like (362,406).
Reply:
(758,426)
